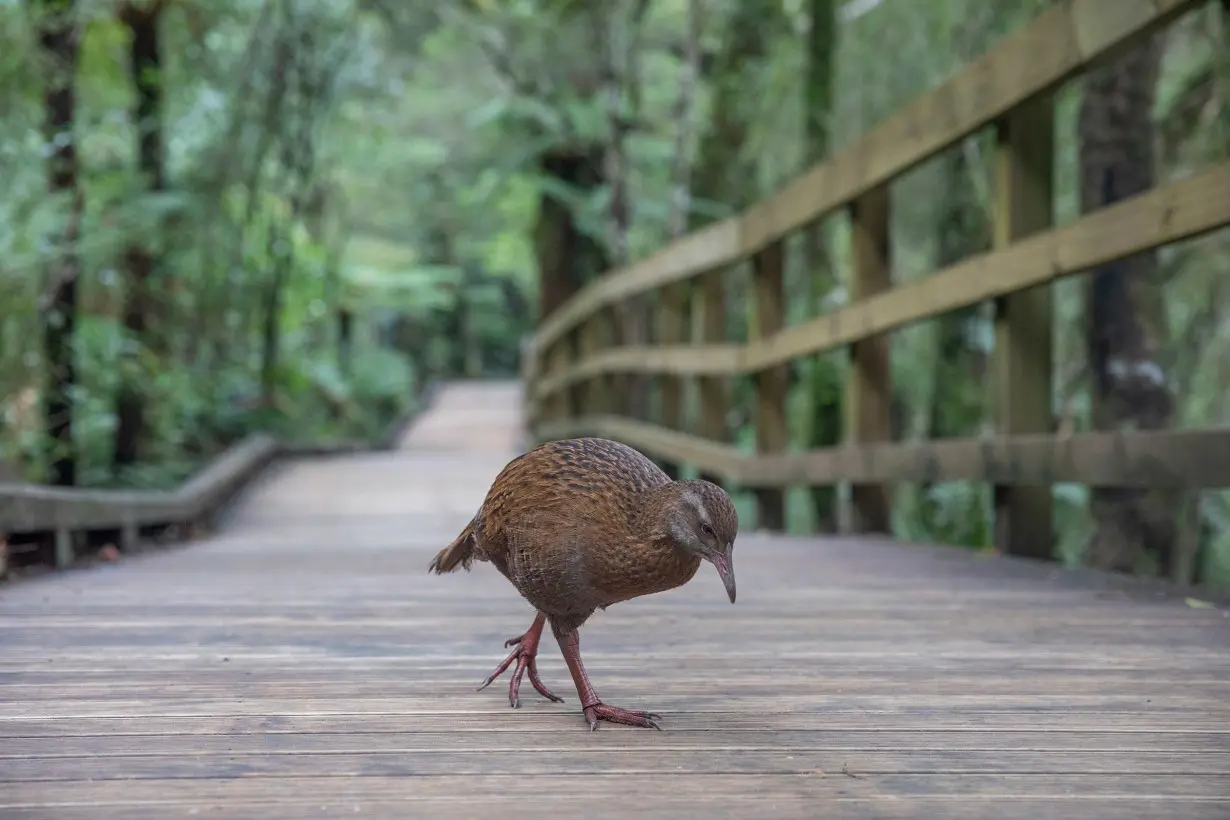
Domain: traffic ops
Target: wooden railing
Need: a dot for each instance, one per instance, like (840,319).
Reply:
(68,514)
(574,360)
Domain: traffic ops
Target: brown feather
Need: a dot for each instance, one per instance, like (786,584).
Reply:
(580,524)
(459,553)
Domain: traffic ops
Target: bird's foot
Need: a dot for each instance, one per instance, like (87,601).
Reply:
(598,711)
(525,654)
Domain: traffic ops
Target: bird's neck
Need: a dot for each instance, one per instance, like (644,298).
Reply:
(658,508)
(653,512)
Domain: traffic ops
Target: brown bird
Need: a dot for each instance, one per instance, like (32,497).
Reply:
(580,524)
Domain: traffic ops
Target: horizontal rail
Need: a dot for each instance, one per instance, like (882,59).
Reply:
(1060,43)
(1162,215)
(32,507)
(1127,459)
(41,508)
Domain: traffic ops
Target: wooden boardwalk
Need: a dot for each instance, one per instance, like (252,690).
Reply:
(303,664)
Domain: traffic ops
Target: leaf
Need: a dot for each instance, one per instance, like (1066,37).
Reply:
(489,113)
(1196,603)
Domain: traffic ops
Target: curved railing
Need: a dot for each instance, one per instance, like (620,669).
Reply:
(573,358)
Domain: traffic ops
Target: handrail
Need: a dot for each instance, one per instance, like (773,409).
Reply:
(27,508)
(1166,214)
(1061,43)
(573,361)
(1142,459)
(36,507)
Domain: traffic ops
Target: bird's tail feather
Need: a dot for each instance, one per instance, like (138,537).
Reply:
(460,553)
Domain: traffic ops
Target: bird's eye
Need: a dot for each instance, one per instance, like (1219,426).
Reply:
(706,529)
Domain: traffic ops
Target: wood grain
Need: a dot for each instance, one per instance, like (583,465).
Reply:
(301,663)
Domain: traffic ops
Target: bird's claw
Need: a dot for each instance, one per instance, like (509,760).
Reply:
(597,712)
(526,658)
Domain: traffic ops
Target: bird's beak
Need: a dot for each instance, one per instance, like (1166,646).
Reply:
(726,570)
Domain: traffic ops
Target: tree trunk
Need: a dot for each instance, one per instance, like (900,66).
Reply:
(724,174)
(818,279)
(345,334)
(568,257)
(145,67)
(282,261)
(308,84)
(1125,319)
(58,33)
(620,87)
(684,116)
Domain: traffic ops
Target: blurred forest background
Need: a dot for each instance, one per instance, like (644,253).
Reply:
(232,215)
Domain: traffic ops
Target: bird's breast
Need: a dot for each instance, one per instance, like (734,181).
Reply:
(642,570)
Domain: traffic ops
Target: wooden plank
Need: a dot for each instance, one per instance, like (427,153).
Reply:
(1062,42)
(672,805)
(558,358)
(868,391)
(771,384)
(709,328)
(798,806)
(720,359)
(1140,459)
(1087,795)
(568,351)
(752,740)
(530,375)
(1169,213)
(1075,688)
(1189,458)
(1024,325)
(595,333)
(127,761)
(682,706)
(542,720)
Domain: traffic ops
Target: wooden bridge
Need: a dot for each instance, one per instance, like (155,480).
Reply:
(302,663)
(298,661)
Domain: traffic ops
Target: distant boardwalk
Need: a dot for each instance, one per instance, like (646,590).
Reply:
(303,664)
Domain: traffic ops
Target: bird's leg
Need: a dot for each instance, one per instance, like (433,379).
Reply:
(525,655)
(596,710)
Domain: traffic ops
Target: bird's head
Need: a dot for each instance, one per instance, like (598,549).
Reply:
(703,522)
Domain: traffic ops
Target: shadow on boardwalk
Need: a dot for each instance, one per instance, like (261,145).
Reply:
(303,664)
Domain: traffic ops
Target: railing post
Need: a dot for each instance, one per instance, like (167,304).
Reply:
(593,336)
(530,368)
(572,397)
(1024,180)
(672,330)
(709,327)
(65,548)
(771,385)
(557,406)
(868,417)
